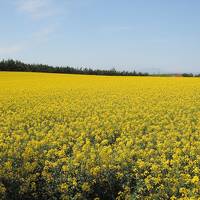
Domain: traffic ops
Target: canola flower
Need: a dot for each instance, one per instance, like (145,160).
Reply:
(97,137)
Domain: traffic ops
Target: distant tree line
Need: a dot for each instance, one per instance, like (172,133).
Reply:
(175,75)
(14,65)
(190,75)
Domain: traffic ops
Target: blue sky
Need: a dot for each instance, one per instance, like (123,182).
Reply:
(146,35)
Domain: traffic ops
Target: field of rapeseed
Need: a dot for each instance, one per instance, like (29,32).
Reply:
(89,137)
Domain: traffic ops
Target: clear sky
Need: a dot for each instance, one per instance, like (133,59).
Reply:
(146,35)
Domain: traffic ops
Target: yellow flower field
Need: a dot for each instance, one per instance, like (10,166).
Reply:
(96,137)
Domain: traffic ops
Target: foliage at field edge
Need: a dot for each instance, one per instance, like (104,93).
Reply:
(15,65)
(12,65)
(89,137)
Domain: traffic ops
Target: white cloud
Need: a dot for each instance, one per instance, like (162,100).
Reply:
(37,9)
(44,32)
(117,28)
(10,49)
(36,38)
